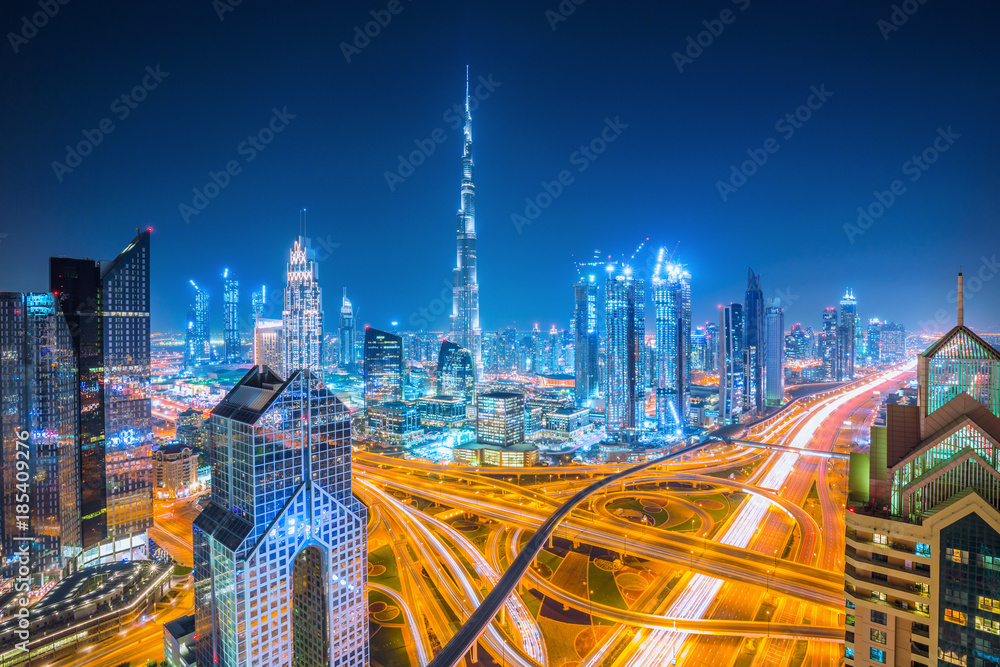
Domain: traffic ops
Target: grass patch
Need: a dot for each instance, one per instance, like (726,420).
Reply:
(390,577)
(181,570)
(388,646)
(605,588)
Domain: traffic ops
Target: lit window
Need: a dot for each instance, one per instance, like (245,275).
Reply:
(954,616)
(877,654)
(878,636)
(923,549)
(880,539)
(986,625)
(849,652)
(989,604)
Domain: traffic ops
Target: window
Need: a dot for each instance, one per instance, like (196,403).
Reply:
(850,605)
(877,654)
(850,619)
(849,652)
(957,555)
(880,539)
(986,625)
(923,549)
(990,562)
(989,604)
(878,617)
(878,636)
(878,595)
(954,616)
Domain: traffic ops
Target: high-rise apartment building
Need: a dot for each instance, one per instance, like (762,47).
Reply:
(754,334)
(624,394)
(268,348)
(280,553)
(40,505)
(923,531)
(347,333)
(798,344)
(465,330)
(384,367)
(231,319)
(774,347)
(500,418)
(672,365)
(893,338)
(257,301)
(847,336)
(554,350)
(731,359)
(585,342)
(201,332)
(302,318)
(828,346)
(711,347)
(537,351)
(873,341)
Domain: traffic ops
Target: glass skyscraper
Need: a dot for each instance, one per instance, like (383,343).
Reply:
(302,318)
(280,552)
(847,336)
(384,367)
(774,346)
(456,371)
(38,435)
(672,368)
(585,343)
(231,319)
(755,340)
(828,346)
(201,337)
(625,302)
(347,333)
(731,373)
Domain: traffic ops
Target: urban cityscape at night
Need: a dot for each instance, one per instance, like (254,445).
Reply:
(711,376)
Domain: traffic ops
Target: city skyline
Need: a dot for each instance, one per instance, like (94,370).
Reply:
(516,112)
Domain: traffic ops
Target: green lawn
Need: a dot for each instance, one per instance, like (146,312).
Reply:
(604,587)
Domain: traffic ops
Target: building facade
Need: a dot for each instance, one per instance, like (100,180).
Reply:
(384,367)
(755,340)
(347,333)
(302,318)
(175,471)
(231,319)
(847,336)
(672,365)
(625,390)
(731,372)
(280,551)
(828,346)
(201,333)
(774,346)
(268,346)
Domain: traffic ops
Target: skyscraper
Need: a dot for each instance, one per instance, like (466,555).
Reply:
(774,346)
(755,341)
(465,329)
(202,334)
(554,349)
(731,375)
(625,301)
(268,348)
(40,505)
(347,333)
(873,341)
(500,418)
(231,319)
(711,347)
(672,376)
(585,342)
(383,367)
(280,573)
(456,371)
(828,345)
(257,301)
(302,318)
(847,336)
(893,339)
(537,351)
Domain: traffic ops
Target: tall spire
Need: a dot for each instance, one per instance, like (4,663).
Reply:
(961,301)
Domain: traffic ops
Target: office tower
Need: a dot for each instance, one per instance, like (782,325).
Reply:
(456,371)
(524,353)
(465,329)
(672,368)
(893,338)
(828,346)
(625,301)
(755,339)
(268,349)
(348,333)
(585,341)
(537,351)
(798,344)
(923,529)
(507,351)
(231,319)
(77,283)
(257,301)
(554,348)
(190,343)
(500,418)
(774,364)
(280,567)
(302,318)
(711,347)
(39,425)
(202,334)
(731,374)
(698,349)
(873,341)
(383,367)
(847,336)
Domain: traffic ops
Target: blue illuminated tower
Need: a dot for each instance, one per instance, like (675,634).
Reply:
(755,343)
(731,376)
(625,302)
(231,318)
(201,335)
(672,309)
(585,343)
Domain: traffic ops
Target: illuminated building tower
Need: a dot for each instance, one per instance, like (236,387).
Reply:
(828,345)
(257,301)
(268,349)
(625,300)
(554,348)
(797,344)
(280,551)
(500,418)
(537,351)
(231,318)
(456,371)
(465,329)
(774,346)
(731,364)
(711,347)
(873,341)
(698,349)
(202,330)
(893,338)
(383,367)
(846,336)
(755,340)
(347,331)
(39,426)
(923,524)
(302,318)
(585,340)
(672,369)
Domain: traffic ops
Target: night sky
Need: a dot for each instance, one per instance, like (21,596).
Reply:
(886,95)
